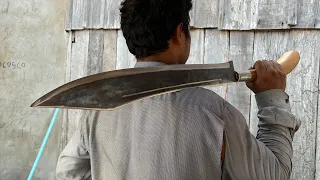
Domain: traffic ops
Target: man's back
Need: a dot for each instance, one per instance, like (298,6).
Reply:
(171,136)
(180,135)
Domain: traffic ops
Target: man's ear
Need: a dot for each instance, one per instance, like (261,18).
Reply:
(178,34)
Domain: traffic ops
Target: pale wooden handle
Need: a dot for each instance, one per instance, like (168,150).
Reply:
(288,61)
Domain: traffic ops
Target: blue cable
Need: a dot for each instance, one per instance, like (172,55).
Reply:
(35,164)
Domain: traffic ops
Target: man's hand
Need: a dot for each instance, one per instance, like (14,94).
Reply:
(269,76)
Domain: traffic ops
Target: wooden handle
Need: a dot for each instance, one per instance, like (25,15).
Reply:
(288,61)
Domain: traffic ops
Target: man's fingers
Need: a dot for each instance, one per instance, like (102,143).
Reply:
(277,66)
(259,67)
(268,65)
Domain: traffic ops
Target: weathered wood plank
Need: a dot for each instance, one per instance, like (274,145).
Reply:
(110,50)
(94,62)
(197,47)
(308,14)
(260,14)
(292,13)
(317,159)
(241,53)
(112,14)
(272,14)
(303,90)
(78,14)
(124,58)
(236,14)
(216,51)
(69,14)
(95,13)
(205,14)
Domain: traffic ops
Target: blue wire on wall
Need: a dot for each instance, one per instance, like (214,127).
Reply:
(45,140)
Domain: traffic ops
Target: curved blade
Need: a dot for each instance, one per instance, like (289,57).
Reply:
(112,89)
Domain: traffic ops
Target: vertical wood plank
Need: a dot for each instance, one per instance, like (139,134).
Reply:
(307,14)
(317,21)
(112,14)
(267,45)
(259,14)
(205,13)
(302,87)
(236,14)
(110,50)
(94,62)
(272,14)
(216,51)
(293,12)
(78,14)
(69,14)
(95,13)
(197,47)
(124,58)
(241,53)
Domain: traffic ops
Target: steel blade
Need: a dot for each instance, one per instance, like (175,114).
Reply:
(112,89)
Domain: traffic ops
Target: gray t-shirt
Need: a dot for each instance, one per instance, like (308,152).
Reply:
(179,136)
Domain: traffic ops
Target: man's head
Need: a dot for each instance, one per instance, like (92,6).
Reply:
(157,30)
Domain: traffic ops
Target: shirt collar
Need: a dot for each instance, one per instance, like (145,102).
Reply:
(148,64)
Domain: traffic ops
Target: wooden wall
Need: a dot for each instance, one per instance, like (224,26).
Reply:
(242,31)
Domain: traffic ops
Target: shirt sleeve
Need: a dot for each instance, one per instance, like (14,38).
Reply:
(269,155)
(74,161)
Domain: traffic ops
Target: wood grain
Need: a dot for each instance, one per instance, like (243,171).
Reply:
(204,14)
(197,47)
(216,51)
(302,87)
(95,12)
(236,14)
(308,14)
(78,14)
(112,14)
(241,53)
(271,14)
(109,50)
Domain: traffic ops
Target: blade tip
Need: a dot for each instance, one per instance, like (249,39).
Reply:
(37,103)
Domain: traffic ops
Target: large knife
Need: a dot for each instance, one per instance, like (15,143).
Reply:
(109,90)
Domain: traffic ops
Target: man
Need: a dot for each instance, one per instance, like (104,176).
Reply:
(189,134)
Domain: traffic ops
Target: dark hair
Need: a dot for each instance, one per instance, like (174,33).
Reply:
(148,25)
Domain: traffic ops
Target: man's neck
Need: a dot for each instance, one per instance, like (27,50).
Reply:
(148,64)
(163,58)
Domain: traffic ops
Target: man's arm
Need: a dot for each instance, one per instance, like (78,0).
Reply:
(268,156)
(74,161)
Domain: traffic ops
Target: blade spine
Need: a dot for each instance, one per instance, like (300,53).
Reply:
(168,87)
